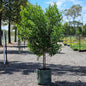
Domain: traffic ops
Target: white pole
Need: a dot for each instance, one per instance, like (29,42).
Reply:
(4,47)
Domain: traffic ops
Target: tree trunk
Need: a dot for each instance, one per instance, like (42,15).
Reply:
(9,35)
(74,26)
(44,60)
(19,43)
(70,33)
(6,48)
(0,29)
(15,34)
(79,43)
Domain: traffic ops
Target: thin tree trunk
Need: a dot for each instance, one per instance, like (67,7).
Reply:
(0,29)
(70,33)
(74,26)
(15,35)
(9,35)
(6,48)
(44,60)
(19,43)
(79,43)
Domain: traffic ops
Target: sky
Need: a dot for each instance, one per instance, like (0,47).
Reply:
(61,4)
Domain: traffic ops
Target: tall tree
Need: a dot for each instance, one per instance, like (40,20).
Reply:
(84,30)
(8,15)
(17,9)
(15,28)
(12,13)
(1,7)
(74,12)
(66,29)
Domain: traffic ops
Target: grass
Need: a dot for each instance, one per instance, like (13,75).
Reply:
(76,46)
(74,43)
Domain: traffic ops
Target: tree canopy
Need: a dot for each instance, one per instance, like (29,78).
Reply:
(43,29)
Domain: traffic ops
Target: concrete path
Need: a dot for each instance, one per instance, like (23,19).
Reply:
(68,68)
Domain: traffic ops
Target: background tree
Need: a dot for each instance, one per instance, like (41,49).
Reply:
(17,17)
(68,30)
(15,28)
(74,12)
(43,30)
(8,15)
(1,8)
(79,28)
(12,14)
(84,30)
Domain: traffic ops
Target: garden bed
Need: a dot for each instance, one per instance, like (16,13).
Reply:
(75,45)
(80,48)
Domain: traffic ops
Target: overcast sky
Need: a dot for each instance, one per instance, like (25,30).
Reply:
(62,4)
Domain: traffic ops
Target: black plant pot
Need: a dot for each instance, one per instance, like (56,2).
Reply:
(44,76)
(75,49)
(65,44)
(82,50)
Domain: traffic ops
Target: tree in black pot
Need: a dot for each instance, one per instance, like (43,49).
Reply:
(43,30)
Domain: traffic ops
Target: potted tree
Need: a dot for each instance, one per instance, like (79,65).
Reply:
(43,30)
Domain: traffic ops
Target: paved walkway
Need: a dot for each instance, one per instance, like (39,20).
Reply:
(68,68)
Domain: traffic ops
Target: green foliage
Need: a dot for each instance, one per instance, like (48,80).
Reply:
(79,31)
(84,30)
(17,9)
(11,13)
(42,29)
(68,29)
(76,46)
(75,11)
(1,5)
(75,43)
(11,10)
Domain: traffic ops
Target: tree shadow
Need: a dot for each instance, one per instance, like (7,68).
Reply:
(57,70)
(15,66)
(60,70)
(22,46)
(66,83)
(64,69)
(60,53)
(16,52)
(27,67)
